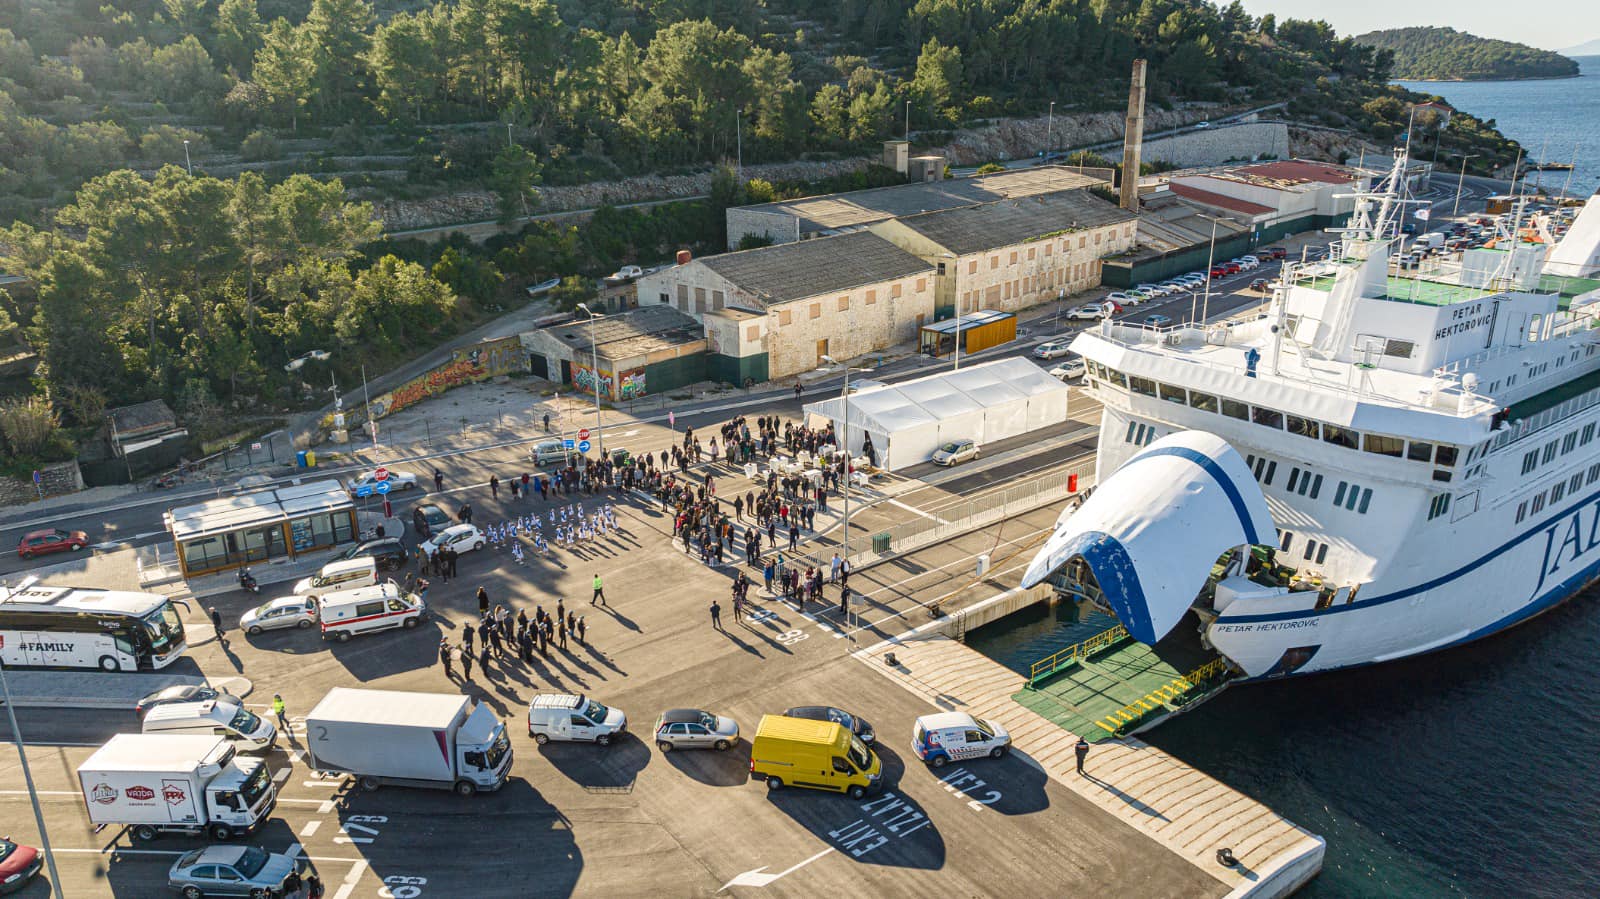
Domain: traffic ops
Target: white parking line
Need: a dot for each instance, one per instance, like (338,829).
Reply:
(281,776)
(349,884)
(917,511)
(310,829)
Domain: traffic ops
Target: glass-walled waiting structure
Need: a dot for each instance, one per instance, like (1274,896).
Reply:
(285,522)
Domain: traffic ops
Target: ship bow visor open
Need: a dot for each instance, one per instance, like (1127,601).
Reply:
(1151,532)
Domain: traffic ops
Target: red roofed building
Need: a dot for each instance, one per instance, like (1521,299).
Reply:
(1275,198)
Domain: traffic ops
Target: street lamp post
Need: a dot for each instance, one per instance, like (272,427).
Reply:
(366,399)
(186,163)
(844,440)
(1211,260)
(27,776)
(1460,182)
(1049,130)
(908,124)
(594,350)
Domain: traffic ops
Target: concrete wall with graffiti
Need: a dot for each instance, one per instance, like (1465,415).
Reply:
(467,365)
(632,385)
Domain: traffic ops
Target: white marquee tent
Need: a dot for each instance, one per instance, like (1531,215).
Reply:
(986,403)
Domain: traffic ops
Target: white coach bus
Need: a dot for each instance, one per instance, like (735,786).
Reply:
(79,627)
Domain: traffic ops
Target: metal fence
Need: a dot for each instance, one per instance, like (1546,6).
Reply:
(979,511)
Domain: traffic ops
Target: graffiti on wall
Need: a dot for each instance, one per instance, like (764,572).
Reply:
(632,385)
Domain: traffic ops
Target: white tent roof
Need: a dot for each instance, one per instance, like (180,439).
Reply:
(927,400)
(1152,530)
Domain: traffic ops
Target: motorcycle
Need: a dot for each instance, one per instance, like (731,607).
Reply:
(170,479)
(248,581)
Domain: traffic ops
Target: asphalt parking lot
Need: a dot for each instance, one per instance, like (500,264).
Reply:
(626,819)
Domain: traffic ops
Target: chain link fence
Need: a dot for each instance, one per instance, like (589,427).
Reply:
(980,511)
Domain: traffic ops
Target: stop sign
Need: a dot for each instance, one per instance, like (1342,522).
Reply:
(583,434)
(382,474)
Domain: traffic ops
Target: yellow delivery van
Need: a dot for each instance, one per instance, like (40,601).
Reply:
(822,755)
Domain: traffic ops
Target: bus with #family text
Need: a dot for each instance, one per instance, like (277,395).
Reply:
(82,627)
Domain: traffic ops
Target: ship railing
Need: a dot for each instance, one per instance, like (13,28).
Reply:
(1075,654)
(1169,696)
(1517,430)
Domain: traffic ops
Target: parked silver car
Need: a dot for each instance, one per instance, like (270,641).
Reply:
(955,452)
(695,729)
(285,611)
(224,870)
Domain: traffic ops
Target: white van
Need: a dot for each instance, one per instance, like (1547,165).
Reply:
(346,613)
(213,717)
(569,716)
(342,575)
(953,736)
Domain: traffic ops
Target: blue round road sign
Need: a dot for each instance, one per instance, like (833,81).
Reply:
(381,487)
(583,446)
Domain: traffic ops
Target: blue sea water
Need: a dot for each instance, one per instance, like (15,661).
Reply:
(1470,772)
(1555,120)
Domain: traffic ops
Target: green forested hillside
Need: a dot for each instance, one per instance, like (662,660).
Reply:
(149,281)
(1445,54)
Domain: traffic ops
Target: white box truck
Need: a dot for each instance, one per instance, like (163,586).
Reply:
(176,783)
(408,739)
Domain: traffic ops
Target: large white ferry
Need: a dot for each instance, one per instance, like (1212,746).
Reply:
(1394,459)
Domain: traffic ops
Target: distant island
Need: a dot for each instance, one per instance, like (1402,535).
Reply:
(1587,48)
(1445,54)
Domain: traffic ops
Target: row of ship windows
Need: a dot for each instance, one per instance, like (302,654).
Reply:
(1534,458)
(1315,551)
(1396,447)
(1572,485)
(1306,483)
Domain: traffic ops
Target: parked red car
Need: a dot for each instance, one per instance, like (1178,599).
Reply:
(18,865)
(1273,253)
(1232,268)
(51,540)
(1218,271)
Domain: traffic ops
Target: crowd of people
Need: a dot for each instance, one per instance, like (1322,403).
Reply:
(505,637)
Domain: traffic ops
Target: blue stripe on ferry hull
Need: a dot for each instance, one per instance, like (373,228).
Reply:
(1425,586)
(1229,489)
(1544,602)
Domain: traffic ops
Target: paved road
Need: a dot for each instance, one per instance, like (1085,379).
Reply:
(581,820)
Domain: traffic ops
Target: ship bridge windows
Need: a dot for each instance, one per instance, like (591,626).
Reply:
(1172,394)
(1143,386)
(1305,427)
(1419,451)
(1205,402)
(1341,436)
(1235,409)
(1383,445)
(1270,418)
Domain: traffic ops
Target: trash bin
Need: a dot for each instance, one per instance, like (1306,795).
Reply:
(880,543)
(300,459)
(311,458)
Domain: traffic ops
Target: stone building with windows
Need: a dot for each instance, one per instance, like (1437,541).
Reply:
(774,312)
(1012,254)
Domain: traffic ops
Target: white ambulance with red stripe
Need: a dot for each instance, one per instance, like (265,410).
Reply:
(346,613)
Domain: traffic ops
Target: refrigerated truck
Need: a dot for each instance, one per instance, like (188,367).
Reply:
(176,783)
(408,739)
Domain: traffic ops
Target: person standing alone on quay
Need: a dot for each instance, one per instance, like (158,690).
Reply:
(599,592)
(1081,750)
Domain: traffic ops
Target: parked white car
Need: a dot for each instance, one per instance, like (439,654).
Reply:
(954,452)
(1088,312)
(954,736)
(573,717)
(283,612)
(459,537)
(1072,368)
(1126,299)
(1159,290)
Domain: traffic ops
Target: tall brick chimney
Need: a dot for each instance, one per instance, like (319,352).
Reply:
(1133,138)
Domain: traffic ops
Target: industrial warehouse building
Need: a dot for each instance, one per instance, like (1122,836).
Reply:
(788,221)
(1013,254)
(1273,199)
(774,312)
(650,350)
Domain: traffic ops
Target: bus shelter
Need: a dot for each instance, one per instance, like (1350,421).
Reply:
(284,522)
(977,330)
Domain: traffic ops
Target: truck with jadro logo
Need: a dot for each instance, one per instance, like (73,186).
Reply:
(438,740)
(176,783)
